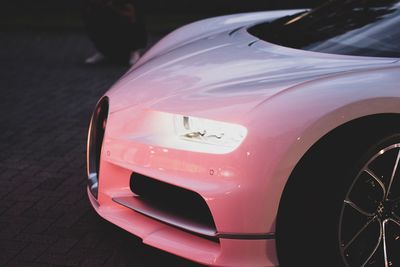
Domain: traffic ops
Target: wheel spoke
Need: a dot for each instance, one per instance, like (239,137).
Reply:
(376,247)
(359,232)
(358,209)
(385,257)
(391,242)
(377,258)
(372,174)
(395,218)
(367,192)
(393,175)
(364,244)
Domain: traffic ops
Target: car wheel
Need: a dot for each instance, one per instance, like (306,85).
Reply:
(344,207)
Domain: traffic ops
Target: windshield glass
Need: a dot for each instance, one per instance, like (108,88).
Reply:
(352,27)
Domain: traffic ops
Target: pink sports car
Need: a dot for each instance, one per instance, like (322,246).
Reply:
(259,139)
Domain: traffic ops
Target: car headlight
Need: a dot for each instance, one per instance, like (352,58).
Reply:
(228,136)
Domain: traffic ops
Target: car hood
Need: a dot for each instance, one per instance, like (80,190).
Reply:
(225,75)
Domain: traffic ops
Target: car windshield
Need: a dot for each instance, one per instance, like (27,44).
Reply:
(352,27)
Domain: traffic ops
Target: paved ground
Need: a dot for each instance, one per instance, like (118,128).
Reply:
(46,97)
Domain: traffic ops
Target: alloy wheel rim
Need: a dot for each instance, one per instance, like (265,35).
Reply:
(369,229)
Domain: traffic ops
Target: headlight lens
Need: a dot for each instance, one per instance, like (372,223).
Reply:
(225,135)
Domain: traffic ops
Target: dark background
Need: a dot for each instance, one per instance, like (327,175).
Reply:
(65,14)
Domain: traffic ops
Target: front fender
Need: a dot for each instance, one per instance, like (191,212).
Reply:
(284,127)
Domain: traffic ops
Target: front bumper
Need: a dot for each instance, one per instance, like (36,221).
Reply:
(226,252)
(227,183)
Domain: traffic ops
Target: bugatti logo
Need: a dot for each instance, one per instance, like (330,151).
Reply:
(381,209)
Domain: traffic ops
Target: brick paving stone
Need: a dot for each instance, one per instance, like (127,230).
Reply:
(47,96)
(63,245)
(59,259)
(6,255)
(32,251)
(19,263)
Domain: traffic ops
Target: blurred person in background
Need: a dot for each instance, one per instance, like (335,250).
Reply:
(117,28)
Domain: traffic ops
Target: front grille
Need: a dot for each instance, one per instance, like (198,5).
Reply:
(95,141)
(173,205)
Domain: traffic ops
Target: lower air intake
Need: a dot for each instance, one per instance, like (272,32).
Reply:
(170,204)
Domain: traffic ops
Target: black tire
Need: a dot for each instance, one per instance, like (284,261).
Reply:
(313,214)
